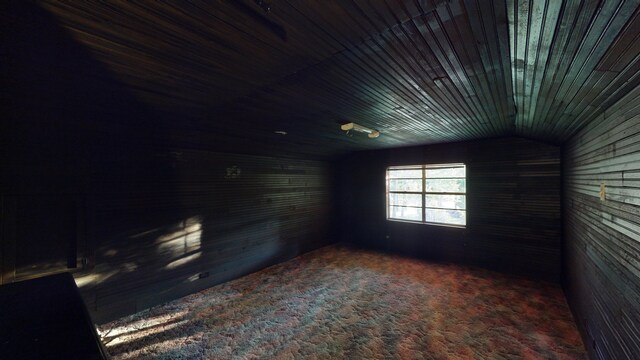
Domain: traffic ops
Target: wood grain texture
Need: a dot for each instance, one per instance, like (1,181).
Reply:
(513,205)
(420,72)
(90,178)
(602,238)
(121,110)
(161,224)
(220,216)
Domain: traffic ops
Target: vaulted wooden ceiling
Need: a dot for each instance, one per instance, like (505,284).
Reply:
(420,71)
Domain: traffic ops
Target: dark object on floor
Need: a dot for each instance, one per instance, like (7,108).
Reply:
(45,318)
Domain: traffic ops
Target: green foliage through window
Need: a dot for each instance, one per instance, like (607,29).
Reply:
(433,194)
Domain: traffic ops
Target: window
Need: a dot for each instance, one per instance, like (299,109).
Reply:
(429,194)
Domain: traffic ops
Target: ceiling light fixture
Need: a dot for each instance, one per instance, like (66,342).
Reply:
(359,128)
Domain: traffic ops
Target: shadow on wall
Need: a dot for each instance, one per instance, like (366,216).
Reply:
(92,182)
(143,269)
(85,165)
(74,137)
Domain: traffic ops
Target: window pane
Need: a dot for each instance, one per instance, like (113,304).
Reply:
(427,193)
(454,217)
(405,185)
(413,173)
(405,213)
(445,201)
(456,172)
(405,199)
(446,185)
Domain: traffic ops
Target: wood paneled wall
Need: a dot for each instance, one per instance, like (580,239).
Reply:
(149,229)
(513,204)
(221,217)
(602,237)
(90,181)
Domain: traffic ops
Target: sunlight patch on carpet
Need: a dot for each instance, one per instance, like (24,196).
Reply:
(338,302)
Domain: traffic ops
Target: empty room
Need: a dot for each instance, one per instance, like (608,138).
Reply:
(353,179)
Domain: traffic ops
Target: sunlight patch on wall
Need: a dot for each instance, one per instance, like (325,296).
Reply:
(102,273)
(94,278)
(177,247)
(184,240)
(183,260)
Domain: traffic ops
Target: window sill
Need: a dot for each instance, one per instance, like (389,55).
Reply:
(429,223)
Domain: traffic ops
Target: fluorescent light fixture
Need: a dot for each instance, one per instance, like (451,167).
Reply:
(359,128)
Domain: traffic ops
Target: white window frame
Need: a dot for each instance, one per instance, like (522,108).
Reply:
(424,208)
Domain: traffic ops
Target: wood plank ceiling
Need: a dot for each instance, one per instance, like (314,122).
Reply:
(421,71)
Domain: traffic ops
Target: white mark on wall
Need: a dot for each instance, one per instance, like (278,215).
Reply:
(603,191)
(233,172)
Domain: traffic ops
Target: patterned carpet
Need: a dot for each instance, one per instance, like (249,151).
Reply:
(341,303)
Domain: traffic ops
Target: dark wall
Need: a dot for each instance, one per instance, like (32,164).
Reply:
(149,235)
(94,181)
(513,206)
(602,237)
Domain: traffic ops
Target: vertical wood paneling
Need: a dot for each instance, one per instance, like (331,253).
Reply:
(513,205)
(602,237)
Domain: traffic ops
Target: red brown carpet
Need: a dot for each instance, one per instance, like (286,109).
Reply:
(340,303)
